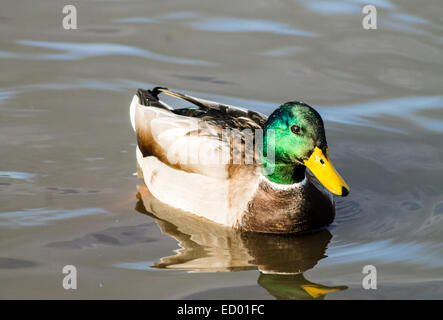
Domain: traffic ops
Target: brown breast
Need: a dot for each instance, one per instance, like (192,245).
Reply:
(294,210)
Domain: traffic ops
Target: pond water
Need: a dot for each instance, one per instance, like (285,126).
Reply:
(69,195)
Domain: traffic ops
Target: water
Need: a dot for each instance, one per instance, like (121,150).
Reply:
(67,189)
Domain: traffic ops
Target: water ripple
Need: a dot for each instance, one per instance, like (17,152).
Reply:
(386,251)
(223,24)
(345,7)
(17,175)
(406,107)
(332,7)
(78,51)
(41,216)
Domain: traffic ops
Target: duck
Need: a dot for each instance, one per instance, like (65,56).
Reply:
(237,167)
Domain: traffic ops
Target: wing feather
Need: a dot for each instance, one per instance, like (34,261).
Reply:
(182,142)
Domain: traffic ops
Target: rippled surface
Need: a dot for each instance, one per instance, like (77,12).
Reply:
(67,189)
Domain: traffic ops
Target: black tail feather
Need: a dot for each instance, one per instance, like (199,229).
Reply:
(150,97)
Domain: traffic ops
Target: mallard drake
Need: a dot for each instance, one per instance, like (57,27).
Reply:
(190,160)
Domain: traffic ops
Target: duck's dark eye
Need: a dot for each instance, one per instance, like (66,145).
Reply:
(295,129)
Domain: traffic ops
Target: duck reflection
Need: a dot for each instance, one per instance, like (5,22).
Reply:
(208,247)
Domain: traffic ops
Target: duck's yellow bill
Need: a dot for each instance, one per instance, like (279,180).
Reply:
(323,170)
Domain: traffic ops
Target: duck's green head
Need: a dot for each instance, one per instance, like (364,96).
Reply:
(300,142)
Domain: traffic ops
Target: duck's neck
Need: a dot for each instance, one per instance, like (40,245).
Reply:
(283,173)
